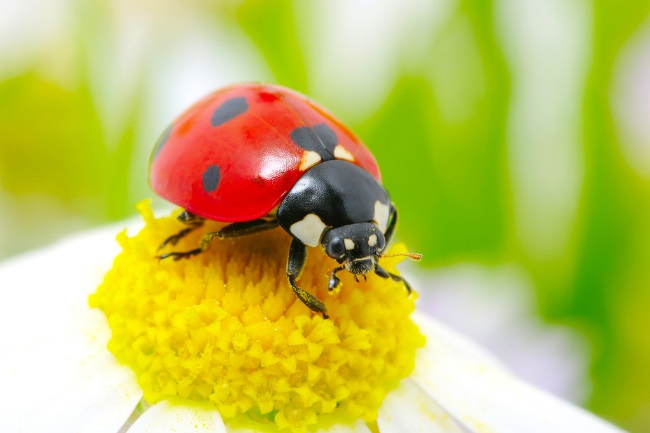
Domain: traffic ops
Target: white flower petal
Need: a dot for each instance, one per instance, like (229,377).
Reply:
(474,389)
(357,427)
(55,363)
(252,427)
(167,417)
(409,409)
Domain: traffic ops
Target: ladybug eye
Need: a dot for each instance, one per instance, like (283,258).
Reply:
(335,248)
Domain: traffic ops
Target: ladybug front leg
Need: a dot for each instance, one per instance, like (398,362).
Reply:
(295,265)
(334,281)
(186,217)
(385,274)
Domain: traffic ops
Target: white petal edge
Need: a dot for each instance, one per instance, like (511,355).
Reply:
(167,417)
(409,409)
(478,392)
(358,427)
(57,373)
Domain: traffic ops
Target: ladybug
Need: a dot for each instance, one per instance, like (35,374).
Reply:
(262,156)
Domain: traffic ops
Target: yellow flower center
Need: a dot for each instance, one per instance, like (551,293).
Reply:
(225,327)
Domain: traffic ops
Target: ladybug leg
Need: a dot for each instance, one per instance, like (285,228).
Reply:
(186,217)
(245,228)
(334,280)
(295,265)
(392,224)
(236,230)
(229,231)
(184,255)
(385,274)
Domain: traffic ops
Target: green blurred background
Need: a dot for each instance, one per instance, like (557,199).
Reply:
(509,132)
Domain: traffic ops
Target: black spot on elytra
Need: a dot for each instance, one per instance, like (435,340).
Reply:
(320,139)
(230,109)
(211,178)
(162,140)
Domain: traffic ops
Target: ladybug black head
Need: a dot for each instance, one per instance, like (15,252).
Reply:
(358,245)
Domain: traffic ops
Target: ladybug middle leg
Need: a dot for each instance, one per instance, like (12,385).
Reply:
(245,228)
(230,231)
(295,265)
(186,217)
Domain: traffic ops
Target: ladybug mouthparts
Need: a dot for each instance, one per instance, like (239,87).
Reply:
(361,266)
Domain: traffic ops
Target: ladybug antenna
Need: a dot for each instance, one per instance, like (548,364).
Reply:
(413,256)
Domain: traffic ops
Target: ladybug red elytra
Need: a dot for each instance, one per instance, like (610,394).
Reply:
(262,156)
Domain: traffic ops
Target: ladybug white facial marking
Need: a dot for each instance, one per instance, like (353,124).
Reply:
(341,152)
(381,215)
(372,240)
(309,230)
(211,178)
(349,244)
(230,109)
(309,159)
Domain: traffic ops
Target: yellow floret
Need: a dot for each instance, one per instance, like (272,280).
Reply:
(225,327)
